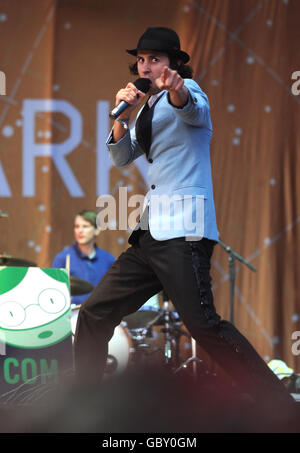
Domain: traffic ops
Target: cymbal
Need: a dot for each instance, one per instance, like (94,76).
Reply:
(79,286)
(140,319)
(7,260)
(147,318)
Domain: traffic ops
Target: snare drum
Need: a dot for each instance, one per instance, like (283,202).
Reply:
(120,347)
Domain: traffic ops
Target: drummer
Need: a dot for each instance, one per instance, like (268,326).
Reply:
(87,261)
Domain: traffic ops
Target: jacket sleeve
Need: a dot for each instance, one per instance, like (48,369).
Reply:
(196,112)
(126,150)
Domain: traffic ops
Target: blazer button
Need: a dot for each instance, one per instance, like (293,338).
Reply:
(153,186)
(150,160)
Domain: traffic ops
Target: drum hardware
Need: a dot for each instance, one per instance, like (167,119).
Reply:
(172,333)
(141,349)
(111,365)
(193,359)
(171,328)
(170,349)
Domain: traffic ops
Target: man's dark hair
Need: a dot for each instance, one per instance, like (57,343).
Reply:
(184,70)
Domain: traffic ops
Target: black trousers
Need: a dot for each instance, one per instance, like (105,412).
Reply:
(182,269)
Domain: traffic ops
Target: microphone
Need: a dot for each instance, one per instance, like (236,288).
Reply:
(4,214)
(142,84)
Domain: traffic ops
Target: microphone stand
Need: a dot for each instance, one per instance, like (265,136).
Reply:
(231,260)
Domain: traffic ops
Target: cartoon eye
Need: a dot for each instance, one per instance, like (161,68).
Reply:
(12,314)
(52,301)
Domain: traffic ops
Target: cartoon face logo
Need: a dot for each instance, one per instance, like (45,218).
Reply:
(34,306)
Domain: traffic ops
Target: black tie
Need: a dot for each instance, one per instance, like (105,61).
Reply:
(143,128)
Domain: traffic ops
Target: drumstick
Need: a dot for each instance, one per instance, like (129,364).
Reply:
(68,270)
(68,264)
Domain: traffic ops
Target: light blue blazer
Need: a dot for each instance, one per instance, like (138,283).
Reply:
(180,198)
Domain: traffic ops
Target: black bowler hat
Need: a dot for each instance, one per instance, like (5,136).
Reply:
(161,39)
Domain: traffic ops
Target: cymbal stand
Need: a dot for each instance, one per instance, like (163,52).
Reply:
(170,326)
(172,333)
(166,330)
(193,359)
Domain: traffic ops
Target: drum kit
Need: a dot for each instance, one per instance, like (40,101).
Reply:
(158,334)
(154,333)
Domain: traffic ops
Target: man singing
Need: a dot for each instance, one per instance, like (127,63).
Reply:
(170,249)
